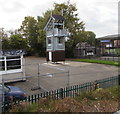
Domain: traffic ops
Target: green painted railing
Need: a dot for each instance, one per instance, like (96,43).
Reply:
(71,91)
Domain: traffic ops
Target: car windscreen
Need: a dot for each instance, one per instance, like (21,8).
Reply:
(7,89)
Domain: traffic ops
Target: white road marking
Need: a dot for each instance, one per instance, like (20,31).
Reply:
(50,75)
(53,66)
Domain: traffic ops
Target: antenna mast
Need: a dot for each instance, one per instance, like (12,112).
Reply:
(62,11)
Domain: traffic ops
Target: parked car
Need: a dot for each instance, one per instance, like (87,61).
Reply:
(13,92)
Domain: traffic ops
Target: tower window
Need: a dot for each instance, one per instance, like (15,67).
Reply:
(60,40)
(49,40)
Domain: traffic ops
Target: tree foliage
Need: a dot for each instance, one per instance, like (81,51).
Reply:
(17,42)
(29,30)
(73,24)
(90,37)
(13,41)
(42,20)
(4,41)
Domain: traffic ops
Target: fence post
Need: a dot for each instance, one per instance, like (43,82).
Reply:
(61,93)
(67,91)
(38,75)
(119,79)
(96,85)
(68,83)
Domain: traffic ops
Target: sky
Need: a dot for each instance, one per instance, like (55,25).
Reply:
(99,16)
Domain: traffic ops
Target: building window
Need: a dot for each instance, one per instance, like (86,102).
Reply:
(108,45)
(10,63)
(2,66)
(13,64)
(60,40)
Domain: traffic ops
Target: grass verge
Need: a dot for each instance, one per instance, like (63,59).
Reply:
(114,63)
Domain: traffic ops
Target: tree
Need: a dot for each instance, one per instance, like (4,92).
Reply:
(29,30)
(72,23)
(90,37)
(4,40)
(41,33)
(5,43)
(17,42)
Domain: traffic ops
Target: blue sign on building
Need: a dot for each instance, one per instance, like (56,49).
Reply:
(105,41)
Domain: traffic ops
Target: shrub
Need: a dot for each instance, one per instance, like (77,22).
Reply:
(88,95)
(99,100)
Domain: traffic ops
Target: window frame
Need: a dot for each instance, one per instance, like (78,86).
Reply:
(60,42)
(5,59)
(49,41)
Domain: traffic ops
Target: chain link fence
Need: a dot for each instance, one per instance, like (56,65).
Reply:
(38,78)
(46,77)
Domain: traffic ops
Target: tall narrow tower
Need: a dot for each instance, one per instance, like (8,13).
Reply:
(55,38)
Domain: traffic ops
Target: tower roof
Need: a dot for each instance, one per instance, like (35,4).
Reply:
(53,18)
(58,17)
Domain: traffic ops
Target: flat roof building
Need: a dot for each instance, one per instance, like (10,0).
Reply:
(110,44)
(12,65)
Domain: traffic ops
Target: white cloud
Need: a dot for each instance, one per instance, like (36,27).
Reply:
(100,16)
(10,7)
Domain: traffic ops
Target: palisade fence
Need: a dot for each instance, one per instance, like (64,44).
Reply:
(112,58)
(70,91)
(106,58)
